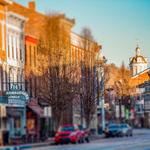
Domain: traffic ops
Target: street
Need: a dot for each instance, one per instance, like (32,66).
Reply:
(140,141)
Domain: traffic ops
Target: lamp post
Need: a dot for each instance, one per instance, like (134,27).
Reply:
(81,104)
(101,77)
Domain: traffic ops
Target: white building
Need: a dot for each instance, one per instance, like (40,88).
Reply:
(138,63)
(15,47)
(13,102)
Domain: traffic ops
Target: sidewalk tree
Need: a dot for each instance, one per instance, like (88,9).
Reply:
(55,86)
(87,78)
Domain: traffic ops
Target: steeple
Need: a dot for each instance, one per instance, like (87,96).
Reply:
(138,50)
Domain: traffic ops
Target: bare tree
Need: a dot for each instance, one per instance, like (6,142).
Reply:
(122,81)
(55,86)
(88,76)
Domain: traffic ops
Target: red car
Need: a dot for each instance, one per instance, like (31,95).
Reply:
(68,133)
(85,134)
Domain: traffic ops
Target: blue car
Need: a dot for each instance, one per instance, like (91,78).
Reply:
(113,130)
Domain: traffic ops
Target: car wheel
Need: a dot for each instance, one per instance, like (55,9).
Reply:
(79,141)
(87,139)
(75,142)
(82,140)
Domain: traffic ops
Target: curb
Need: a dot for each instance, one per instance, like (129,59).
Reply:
(27,146)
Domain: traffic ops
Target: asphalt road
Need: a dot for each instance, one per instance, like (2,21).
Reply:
(139,141)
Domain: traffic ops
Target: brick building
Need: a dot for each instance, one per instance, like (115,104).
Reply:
(19,59)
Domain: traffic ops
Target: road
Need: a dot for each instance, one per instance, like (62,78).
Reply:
(140,141)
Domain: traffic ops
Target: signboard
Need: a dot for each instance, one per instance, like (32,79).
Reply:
(15,94)
(15,86)
(127,114)
(122,111)
(18,98)
(47,111)
(23,93)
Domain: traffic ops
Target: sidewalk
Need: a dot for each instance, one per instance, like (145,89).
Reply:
(29,145)
(49,142)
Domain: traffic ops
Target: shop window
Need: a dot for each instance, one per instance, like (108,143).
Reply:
(30,124)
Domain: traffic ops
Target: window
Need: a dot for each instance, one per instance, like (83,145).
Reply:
(12,46)
(8,47)
(34,56)
(30,57)
(25,49)
(30,82)
(16,48)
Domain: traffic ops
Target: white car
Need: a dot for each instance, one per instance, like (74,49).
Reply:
(126,130)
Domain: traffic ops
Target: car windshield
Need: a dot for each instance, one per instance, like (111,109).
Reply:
(123,126)
(113,126)
(80,127)
(66,128)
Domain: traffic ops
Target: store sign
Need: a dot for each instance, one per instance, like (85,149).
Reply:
(23,94)
(47,111)
(127,114)
(18,98)
(122,111)
(15,87)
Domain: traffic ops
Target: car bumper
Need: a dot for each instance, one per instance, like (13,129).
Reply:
(62,140)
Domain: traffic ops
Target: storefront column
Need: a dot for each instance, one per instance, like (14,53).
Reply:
(24,121)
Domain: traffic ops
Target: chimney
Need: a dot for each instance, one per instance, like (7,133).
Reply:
(32,5)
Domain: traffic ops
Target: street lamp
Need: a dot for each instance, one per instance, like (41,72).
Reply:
(81,104)
(101,77)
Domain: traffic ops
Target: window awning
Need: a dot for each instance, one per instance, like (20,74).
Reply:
(33,105)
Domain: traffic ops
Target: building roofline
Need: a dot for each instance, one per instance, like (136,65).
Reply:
(11,13)
(6,2)
(140,73)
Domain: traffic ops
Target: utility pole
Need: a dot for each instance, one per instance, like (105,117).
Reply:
(102,98)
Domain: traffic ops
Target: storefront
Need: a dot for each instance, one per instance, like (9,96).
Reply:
(35,117)
(16,113)
(12,115)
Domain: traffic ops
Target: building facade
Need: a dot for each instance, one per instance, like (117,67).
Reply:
(13,95)
(139,68)
(20,31)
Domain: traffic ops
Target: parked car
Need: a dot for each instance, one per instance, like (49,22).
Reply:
(113,130)
(68,133)
(126,129)
(85,134)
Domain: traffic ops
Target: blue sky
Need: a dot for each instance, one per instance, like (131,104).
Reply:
(115,24)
